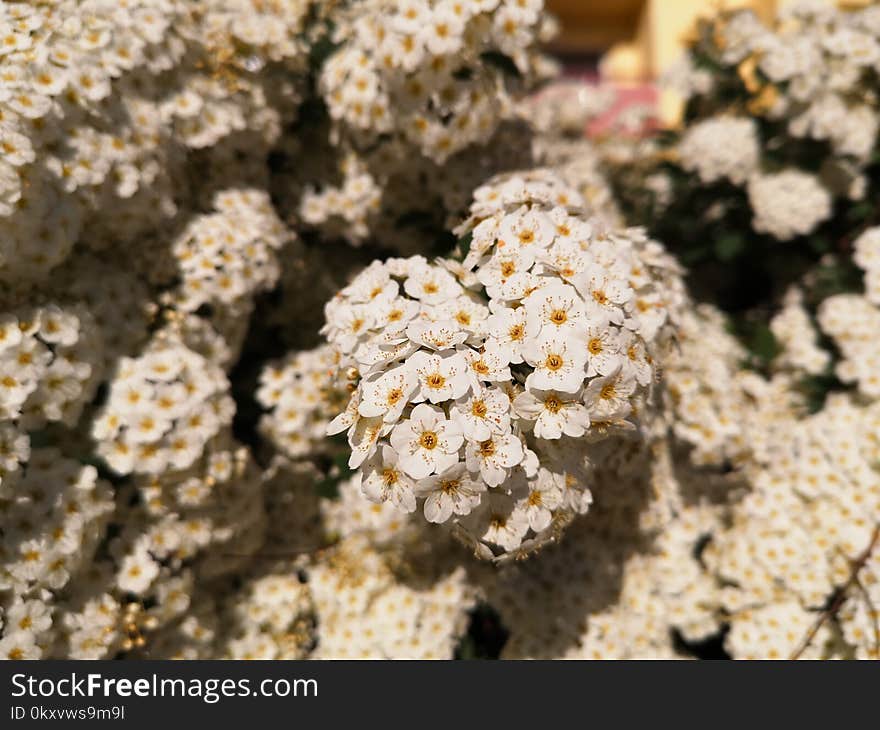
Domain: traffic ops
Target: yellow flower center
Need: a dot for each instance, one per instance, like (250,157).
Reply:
(526,237)
(435,380)
(394,395)
(554,362)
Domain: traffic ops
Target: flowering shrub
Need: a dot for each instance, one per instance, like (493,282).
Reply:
(645,469)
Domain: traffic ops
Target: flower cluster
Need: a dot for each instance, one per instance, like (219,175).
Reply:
(429,71)
(57,116)
(52,525)
(788,203)
(794,539)
(367,613)
(797,336)
(781,120)
(478,378)
(372,603)
(721,148)
(161,410)
(852,321)
(229,256)
(301,395)
(50,366)
(621,582)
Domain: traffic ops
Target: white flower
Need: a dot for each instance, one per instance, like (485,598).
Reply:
(498,522)
(526,232)
(507,330)
(481,413)
(10,334)
(137,572)
(431,284)
(387,394)
(555,309)
(347,418)
(559,363)
(489,365)
(544,497)
(15,447)
(471,315)
(393,315)
(452,492)
(603,349)
(363,438)
(441,377)
(426,443)
(604,292)
(58,327)
(608,398)
(353,322)
(494,457)
(440,336)
(554,413)
(506,275)
(442,34)
(382,351)
(373,284)
(383,481)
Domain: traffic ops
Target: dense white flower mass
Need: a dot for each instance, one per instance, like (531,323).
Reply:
(811,513)
(423,69)
(798,337)
(723,147)
(192,467)
(228,256)
(161,410)
(866,255)
(478,379)
(788,204)
(50,366)
(301,394)
(852,321)
(623,580)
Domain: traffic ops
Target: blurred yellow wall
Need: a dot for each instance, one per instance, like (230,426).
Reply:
(641,39)
(646,33)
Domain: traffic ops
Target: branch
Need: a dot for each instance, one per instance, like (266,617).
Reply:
(841,595)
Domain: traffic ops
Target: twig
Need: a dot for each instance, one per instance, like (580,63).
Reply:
(856,566)
(872,612)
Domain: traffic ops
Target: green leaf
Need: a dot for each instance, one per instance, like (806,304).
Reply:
(819,244)
(763,344)
(729,246)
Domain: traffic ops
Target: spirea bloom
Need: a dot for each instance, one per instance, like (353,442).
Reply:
(469,371)
(161,410)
